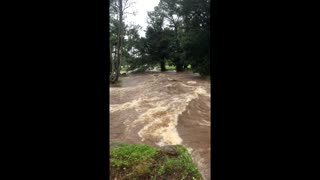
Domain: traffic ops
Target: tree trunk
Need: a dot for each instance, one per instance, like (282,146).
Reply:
(163,66)
(112,66)
(110,60)
(185,66)
(179,67)
(119,50)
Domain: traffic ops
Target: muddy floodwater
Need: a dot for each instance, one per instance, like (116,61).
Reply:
(163,109)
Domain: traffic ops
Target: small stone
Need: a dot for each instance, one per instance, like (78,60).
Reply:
(170,150)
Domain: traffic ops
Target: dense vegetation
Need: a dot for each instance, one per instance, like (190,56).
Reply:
(145,162)
(178,34)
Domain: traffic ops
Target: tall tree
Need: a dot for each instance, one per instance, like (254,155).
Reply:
(170,10)
(130,50)
(118,7)
(154,46)
(195,39)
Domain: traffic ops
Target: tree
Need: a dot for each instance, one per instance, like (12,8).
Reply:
(195,39)
(154,46)
(117,9)
(131,45)
(171,12)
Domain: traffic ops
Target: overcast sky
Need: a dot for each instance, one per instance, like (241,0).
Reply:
(141,7)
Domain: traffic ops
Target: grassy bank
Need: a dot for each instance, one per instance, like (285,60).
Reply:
(145,162)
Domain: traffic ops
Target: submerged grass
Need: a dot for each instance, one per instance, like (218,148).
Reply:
(139,161)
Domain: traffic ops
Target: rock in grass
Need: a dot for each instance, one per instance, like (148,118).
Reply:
(170,150)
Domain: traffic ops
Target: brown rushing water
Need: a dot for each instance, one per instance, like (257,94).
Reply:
(163,109)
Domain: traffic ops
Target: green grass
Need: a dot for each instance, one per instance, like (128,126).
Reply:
(141,161)
(174,67)
(124,69)
(170,67)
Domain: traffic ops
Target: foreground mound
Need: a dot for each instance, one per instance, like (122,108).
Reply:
(141,161)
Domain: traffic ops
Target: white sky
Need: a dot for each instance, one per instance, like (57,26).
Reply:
(141,7)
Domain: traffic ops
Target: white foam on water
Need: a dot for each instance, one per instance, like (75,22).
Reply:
(159,108)
(164,127)
(191,82)
(128,105)
(189,150)
(133,104)
(203,122)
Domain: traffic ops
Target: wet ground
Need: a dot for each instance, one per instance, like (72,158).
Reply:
(163,109)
